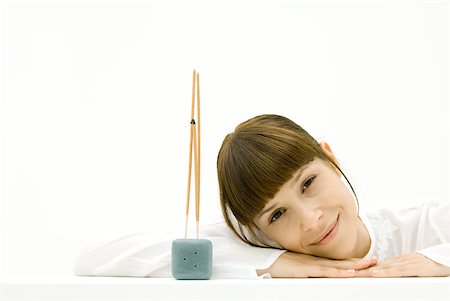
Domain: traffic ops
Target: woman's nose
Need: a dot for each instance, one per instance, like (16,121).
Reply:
(309,218)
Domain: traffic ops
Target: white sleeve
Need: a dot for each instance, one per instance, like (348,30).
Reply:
(436,231)
(439,253)
(148,255)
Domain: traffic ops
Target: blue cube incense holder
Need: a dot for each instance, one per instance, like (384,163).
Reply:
(192,259)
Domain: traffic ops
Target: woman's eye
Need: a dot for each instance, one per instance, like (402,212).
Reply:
(307,183)
(275,216)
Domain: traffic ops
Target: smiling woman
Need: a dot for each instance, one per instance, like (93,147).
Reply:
(289,213)
(269,157)
(285,190)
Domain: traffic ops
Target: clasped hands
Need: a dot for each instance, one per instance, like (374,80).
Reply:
(296,265)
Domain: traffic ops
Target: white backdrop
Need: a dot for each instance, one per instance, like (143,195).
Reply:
(95,106)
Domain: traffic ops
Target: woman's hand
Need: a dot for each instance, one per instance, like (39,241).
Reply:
(409,265)
(296,265)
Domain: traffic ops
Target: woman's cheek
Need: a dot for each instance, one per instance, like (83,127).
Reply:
(291,241)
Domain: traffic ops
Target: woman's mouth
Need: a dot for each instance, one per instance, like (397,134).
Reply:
(331,234)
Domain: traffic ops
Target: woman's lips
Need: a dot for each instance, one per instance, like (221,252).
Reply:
(330,235)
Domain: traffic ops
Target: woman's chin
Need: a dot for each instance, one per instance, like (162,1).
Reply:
(338,253)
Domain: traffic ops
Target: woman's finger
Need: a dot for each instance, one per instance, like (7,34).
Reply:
(388,272)
(411,265)
(328,272)
(355,263)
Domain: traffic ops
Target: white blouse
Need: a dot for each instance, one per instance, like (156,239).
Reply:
(421,227)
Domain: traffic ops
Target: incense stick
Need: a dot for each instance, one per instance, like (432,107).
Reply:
(196,174)
(194,143)
(197,201)
(190,154)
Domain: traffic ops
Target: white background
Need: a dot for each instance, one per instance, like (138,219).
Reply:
(95,106)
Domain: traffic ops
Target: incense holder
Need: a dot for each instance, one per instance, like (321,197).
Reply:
(191,259)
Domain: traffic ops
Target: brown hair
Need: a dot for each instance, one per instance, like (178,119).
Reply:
(255,161)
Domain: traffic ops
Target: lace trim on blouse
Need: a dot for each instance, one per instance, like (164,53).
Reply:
(384,232)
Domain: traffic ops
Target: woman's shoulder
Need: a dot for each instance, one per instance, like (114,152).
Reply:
(409,206)
(405,226)
(409,214)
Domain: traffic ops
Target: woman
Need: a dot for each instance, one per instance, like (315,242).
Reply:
(286,191)
(289,213)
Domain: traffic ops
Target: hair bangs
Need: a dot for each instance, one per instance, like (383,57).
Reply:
(259,163)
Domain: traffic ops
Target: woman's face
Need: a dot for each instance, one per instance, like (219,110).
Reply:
(311,204)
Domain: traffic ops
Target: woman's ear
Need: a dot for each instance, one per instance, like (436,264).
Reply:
(327,149)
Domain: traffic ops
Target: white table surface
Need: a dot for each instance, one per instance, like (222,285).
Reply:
(130,288)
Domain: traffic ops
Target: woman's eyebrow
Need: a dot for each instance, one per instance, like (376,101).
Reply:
(299,174)
(264,211)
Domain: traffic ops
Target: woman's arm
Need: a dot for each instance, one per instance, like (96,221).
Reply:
(138,255)
(426,229)
(148,255)
(409,265)
(296,265)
